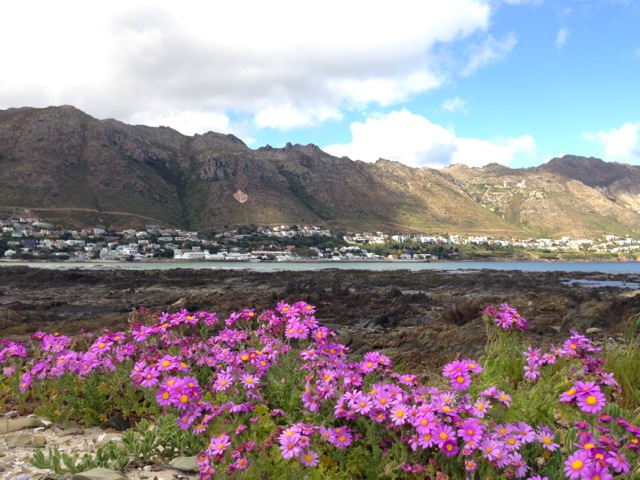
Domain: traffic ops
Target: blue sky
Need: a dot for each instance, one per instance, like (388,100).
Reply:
(426,83)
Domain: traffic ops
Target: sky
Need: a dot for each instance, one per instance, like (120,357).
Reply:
(428,83)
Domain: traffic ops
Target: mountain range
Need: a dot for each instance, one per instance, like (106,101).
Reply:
(68,167)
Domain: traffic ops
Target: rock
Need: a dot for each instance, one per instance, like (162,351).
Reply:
(68,424)
(185,464)
(364,307)
(39,441)
(99,474)
(592,330)
(8,425)
(25,440)
(117,422)
(71,431)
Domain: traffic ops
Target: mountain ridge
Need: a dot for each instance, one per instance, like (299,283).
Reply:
(79,169)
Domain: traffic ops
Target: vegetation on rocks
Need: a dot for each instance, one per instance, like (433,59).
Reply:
(274,395)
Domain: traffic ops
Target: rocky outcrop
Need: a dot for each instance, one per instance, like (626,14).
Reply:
(425,318)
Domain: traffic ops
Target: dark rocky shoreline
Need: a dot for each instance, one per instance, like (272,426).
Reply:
(421,318)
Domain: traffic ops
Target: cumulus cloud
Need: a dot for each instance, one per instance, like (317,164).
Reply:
(523,2)
(489,51)
(412,139)
(476,153)
(455,104)
(264,60)
(289,116)
(620,144)
(561,38)
(187,122)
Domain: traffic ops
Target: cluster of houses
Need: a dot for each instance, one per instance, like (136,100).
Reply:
(31,237)
(34,238)
(608,243)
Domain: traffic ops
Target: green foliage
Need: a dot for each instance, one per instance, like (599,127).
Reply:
(142,444)
(93,399)
(254,417)
(109,456)
(624,362)
(171,441)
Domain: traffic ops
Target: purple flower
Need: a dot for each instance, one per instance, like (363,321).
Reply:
(480,407)
(443,433)
(449,447)
(399,414)
(592,402)
(545,437)
(515,460)
(618,462)
(219,445)
(524,431)
(309,458)
(222,383)
(341,437)
(289,447)
(471,430)
(531,372)
(598,472)
(577,465)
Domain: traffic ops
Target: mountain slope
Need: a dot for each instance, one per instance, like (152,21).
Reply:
(70,167)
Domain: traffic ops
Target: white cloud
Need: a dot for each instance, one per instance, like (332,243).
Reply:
(620,144)
(561,38)
(141,58)
(287,117)
(412,139)
(455,104)
(489,51)
(523,2)
(186,122)
(476,153)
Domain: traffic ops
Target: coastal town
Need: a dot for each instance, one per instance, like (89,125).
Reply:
(29,238)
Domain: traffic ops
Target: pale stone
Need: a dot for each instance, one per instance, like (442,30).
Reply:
(70,431)
(99,474)
(185,464)
(8,425)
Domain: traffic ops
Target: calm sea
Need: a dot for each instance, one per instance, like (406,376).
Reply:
(600,267)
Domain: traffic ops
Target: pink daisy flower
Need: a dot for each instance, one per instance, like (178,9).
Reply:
(577,465)
(399,414)
(309,458)
(592,402)
(289,448)
(545,437)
